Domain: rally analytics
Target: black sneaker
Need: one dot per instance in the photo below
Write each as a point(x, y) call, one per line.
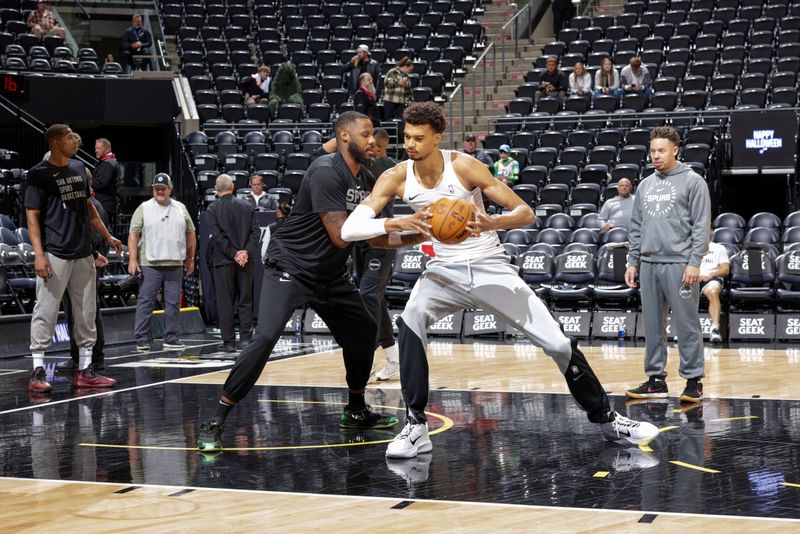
point(68, 366)
point(365, 418)
point(143, 346)
point(210, 438)
point(654, 388)
point(693, 391)
point(228, 347)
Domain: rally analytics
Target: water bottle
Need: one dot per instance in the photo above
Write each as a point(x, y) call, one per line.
point(298, 328)
point(621, 336)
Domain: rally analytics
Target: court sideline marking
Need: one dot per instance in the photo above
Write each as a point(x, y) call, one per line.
point(133, 388)
point(394, 499)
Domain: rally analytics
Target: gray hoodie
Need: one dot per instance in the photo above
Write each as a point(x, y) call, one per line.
point(671, 218)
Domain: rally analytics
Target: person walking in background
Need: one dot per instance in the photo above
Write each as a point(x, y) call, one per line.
point(105, 181)
point(397, 89)
point(365, 99)
point(358, 65)
point(233, 247)
point(668, 238)
point(161, 242)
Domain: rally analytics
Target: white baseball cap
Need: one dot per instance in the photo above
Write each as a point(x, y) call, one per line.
point(363, 47)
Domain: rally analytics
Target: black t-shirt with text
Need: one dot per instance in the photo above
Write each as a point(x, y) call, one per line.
point(301, 245)
point(60, 193)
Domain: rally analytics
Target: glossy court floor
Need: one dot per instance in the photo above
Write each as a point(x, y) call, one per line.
point(512, 451)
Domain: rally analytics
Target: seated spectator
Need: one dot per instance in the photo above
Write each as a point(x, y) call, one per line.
point(256, 85)
point(42, 21)
point(397, 89)
point(109, 59)
point(714, 267)
point(358, 65)
point(553, 82)
point(635, 78)
point(471, 149)
point(365, 100)
point(616, 212)
point(136, 43)
point(606, 79)
point(580, 81)
point(259, 199)
point(506, 169)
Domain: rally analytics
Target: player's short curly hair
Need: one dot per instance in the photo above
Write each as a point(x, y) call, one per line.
point(422, 113)
point(666, 132)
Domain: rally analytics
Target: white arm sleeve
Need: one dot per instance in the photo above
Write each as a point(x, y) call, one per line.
point(362, 225)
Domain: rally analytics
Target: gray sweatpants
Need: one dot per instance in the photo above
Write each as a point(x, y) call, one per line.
point(78, 277)
point(660, 288)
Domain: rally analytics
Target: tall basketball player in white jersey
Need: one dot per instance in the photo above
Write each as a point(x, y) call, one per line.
point(475, 273)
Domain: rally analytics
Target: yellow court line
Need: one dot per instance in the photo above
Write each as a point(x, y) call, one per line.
point(673, 427)
point(190, 308)
point(645, 447)
point(447, 424)
point(734, 418)
point(601, 474)
point(791, 485)
point(692, 466)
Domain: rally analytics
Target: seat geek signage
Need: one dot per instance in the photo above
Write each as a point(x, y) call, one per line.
point(788, 326)
point(449, 325)
point(751, 326)
point(290, 324)
point(607, 324)
point(577, 323)
point(314, 324)
point(479, 322)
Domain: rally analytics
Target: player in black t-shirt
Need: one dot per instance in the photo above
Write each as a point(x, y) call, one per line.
point(305, 265)
point(59, 213)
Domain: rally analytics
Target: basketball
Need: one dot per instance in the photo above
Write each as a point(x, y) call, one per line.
point(449, 220)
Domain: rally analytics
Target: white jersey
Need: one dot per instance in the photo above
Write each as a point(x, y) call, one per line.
point(417, 196)
point(716, 256)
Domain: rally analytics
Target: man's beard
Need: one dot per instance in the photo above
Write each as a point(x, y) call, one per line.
point(356, 153)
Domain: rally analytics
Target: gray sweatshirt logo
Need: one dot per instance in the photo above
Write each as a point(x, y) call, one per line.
point(659, 200)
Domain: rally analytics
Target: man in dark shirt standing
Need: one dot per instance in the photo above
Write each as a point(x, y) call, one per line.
point(358, 65)
point(106, 180)
point(59, 214)
point(305, 264)
point(553, 82)
point(233, 246)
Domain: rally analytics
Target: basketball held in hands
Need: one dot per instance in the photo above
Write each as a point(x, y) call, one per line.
point(449, 219)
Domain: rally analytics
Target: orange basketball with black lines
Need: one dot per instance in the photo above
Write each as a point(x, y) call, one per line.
point(449, 219)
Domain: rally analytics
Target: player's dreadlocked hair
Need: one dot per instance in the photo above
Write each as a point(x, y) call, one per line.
point(422, 113)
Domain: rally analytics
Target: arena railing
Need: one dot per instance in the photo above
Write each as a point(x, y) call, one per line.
point(459, 89)
point(480, 63)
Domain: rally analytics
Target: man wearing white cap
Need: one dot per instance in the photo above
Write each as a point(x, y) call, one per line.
point(161, 242)
point(358, 65)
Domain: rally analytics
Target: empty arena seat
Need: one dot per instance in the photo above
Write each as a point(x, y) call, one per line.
point(536, 269)
point(788, 281)
point(752, 278)
point(573, 279)
point(729, 220)
point(764, 219)
point(610, 289)
point(408, 266)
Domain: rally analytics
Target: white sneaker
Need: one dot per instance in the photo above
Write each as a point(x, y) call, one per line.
point(623, 459)
point(411, 441)
point(622, 429)
point(715, 337)
point(412, 470)
point(390, 370)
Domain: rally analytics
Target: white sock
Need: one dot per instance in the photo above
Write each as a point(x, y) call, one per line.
point(38, 418)
point(85, 357)
point(38, 359)
point(392, 354)
point(714, 326)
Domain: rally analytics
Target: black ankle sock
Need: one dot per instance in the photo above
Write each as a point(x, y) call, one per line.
point(356, 401)
point(223, 409)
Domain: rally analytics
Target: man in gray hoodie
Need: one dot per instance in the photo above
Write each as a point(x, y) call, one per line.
point(668, 239)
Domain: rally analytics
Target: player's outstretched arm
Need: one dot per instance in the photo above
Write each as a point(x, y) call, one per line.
point(473, 174)
point(362, 225)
